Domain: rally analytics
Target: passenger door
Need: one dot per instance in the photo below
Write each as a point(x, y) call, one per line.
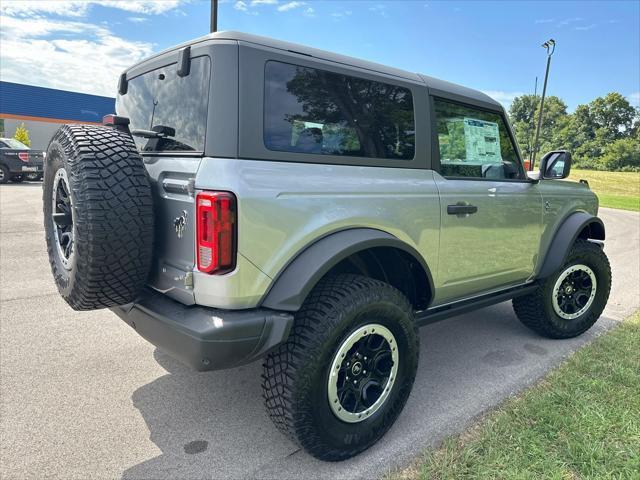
point(491, 213)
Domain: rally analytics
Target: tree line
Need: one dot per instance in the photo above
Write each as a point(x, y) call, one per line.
point(601, 135)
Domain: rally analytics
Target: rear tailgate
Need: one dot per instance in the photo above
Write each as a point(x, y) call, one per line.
point(21, 160)
point(174, 254)
point(168, 117)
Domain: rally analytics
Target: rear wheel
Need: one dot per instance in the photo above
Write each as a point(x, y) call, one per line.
point(571, 301)
point(4, 174)
point(344, 375)
point(98, 216)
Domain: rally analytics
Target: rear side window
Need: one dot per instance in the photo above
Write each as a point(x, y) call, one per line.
point(475, 143)
point(315, 111)
point(168, 113)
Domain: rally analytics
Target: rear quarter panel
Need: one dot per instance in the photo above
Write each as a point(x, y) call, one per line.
point(283, 207)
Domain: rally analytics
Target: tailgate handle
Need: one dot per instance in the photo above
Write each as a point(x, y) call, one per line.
point(174, 185)
point(461, 209)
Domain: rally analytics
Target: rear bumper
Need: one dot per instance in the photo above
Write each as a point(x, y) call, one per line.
point(205, 338)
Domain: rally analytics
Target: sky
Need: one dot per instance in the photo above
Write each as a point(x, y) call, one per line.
point(84, 45)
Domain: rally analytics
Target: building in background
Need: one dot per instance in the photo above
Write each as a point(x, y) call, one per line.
point(43, 110)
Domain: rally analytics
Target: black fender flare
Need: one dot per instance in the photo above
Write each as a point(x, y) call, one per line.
point(297, 279)
point(566, 236)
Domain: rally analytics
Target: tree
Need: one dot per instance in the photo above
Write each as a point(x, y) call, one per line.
point(622, 154)
point(524, 121)
point(613, 114)
point(22, 135)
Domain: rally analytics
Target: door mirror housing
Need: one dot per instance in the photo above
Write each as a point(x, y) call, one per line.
point(555, 165)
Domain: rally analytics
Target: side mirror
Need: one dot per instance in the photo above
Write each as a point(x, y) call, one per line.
point(555, 164)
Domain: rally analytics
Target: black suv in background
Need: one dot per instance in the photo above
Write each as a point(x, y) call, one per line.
point(18, 162)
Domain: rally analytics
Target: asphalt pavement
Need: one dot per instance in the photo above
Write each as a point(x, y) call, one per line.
point(83, 396)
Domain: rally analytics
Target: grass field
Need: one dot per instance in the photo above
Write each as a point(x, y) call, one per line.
point(581, 422)
point(614, 189)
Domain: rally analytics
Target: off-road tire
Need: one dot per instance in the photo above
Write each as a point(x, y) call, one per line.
point(113, 217)
point(296, 374)
point(6, 175)
point(536, 310)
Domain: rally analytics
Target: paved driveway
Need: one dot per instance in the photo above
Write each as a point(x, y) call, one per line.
point(84, 397)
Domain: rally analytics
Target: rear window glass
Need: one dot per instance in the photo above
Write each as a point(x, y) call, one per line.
point(315, 111)
point(168, 112)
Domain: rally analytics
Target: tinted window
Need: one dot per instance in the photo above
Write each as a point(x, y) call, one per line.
point(474, 143)
point(315, 111)
point(173, 107)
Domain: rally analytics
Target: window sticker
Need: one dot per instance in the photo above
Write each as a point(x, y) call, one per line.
point(482, 142)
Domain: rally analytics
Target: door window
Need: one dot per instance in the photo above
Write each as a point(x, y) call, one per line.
point(475, 143)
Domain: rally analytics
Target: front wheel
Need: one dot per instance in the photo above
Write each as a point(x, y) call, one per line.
point(569, 302)
point(345, 373)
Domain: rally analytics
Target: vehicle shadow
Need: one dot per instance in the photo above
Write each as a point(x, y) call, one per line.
point(202, 421)
point(213, 425)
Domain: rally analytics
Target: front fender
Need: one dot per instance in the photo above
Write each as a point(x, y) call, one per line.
point(296, 281)
point(568, 232)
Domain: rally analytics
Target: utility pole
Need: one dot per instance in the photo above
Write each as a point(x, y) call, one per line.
point(533, 115)
point(214, 16)
point(550, 45)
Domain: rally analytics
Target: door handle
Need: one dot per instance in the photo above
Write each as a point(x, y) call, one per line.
point(461, 209)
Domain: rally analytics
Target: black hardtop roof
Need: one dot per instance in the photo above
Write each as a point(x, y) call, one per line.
point(432, 83)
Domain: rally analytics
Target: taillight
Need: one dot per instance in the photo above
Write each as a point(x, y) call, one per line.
point(216, 231)
point(24, 156)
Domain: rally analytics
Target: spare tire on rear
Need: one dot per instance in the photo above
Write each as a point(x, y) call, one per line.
point(98, 216)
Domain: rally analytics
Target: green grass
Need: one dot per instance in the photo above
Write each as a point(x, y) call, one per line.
point(614, 189)
point(581, 422)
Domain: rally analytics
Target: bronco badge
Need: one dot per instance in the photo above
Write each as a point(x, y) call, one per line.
point(180, 223)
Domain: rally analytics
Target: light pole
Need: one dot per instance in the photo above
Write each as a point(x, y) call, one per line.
point(550, 45)
point(213, 27)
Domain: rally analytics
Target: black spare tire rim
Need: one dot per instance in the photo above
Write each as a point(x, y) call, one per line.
point(574, 291)
point(62, 218)
point(362, 373)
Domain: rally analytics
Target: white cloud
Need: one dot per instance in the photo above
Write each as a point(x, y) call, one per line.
point(505, 98)
point(341, 15)
point(634, 99)
point(290, 6)
point(79, 8)
point(309, 12)
point(568, 21)
point(545, 20)
point(240, 5)
point(137, 19)
point(80, 57)
point(380, 9)
point(585, 27)
point(264, 2)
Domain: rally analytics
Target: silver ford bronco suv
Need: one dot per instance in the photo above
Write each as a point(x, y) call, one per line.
point(255, 199)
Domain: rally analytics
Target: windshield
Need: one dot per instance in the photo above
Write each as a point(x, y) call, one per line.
point(174, 107)
point(15, 144)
